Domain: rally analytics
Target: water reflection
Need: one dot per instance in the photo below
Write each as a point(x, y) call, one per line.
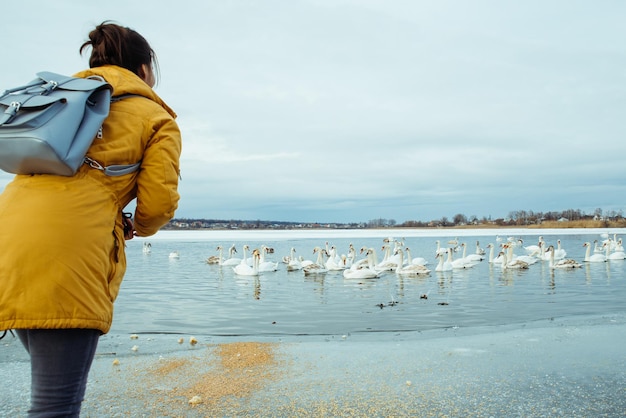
point(257, 288)
point(317, 280)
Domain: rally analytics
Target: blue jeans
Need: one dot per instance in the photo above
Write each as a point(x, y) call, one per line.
point(60, 360)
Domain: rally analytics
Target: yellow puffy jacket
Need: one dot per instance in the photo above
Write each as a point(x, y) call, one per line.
point(62, 256)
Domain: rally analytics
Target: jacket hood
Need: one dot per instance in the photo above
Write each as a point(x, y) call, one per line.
point(125, 82)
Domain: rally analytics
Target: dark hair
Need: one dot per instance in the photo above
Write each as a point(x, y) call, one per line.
point(112, 44)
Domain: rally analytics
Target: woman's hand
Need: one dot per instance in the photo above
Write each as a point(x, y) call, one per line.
point(129, 227)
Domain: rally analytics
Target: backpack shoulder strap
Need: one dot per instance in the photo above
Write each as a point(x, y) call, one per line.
point(115, 169)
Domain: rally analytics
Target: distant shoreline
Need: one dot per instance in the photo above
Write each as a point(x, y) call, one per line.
point(582, 224)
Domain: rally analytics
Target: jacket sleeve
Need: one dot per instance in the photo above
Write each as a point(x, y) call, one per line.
point(157, 182)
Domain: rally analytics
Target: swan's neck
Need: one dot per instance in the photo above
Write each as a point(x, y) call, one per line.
point(255, 263)
point(399, 265)
point(320, 257)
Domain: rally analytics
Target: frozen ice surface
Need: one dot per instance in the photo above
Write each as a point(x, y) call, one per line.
point(560, 368)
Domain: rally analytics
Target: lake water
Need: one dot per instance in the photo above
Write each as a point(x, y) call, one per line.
point(484, 343)
point(189, 296)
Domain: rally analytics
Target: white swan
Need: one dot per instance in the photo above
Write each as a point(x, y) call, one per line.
point(216, 259)
point(174, 255)
point(559, 253)
point(618, 252)
point(444, 265)
point(351, 257)
point(293, 264)
point(409, 269)
point(243, 269)
point(460, 263)
point(317, 267)
point(617, 255)
point(389, 263)
point(474, 257)
point(419, 261)
point(510, 256)
point(244, 258)
point(490, 247)
point(333, 263)
point(147, 247)
point(533, 249)
point(597, 248)
point(491, 259)
point(479, 254)
point(593, 258)
point(566, 263)
point(266, 265)
point(513, 264)
point(231, 260)
point(364, 271)
point(609, 242)
point(370, 257)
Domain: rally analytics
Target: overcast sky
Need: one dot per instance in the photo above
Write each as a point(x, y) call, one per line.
point(346, 110)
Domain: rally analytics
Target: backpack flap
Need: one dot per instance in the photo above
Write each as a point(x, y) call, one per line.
point(25, 111)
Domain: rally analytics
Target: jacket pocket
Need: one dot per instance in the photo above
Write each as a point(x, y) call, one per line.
point(117, 260)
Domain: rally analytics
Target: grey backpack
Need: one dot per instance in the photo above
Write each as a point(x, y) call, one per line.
point(47, 125)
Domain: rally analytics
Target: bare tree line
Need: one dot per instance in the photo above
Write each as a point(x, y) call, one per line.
point(514, 218)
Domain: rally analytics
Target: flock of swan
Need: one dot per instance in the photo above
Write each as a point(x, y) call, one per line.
point(396, 257)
